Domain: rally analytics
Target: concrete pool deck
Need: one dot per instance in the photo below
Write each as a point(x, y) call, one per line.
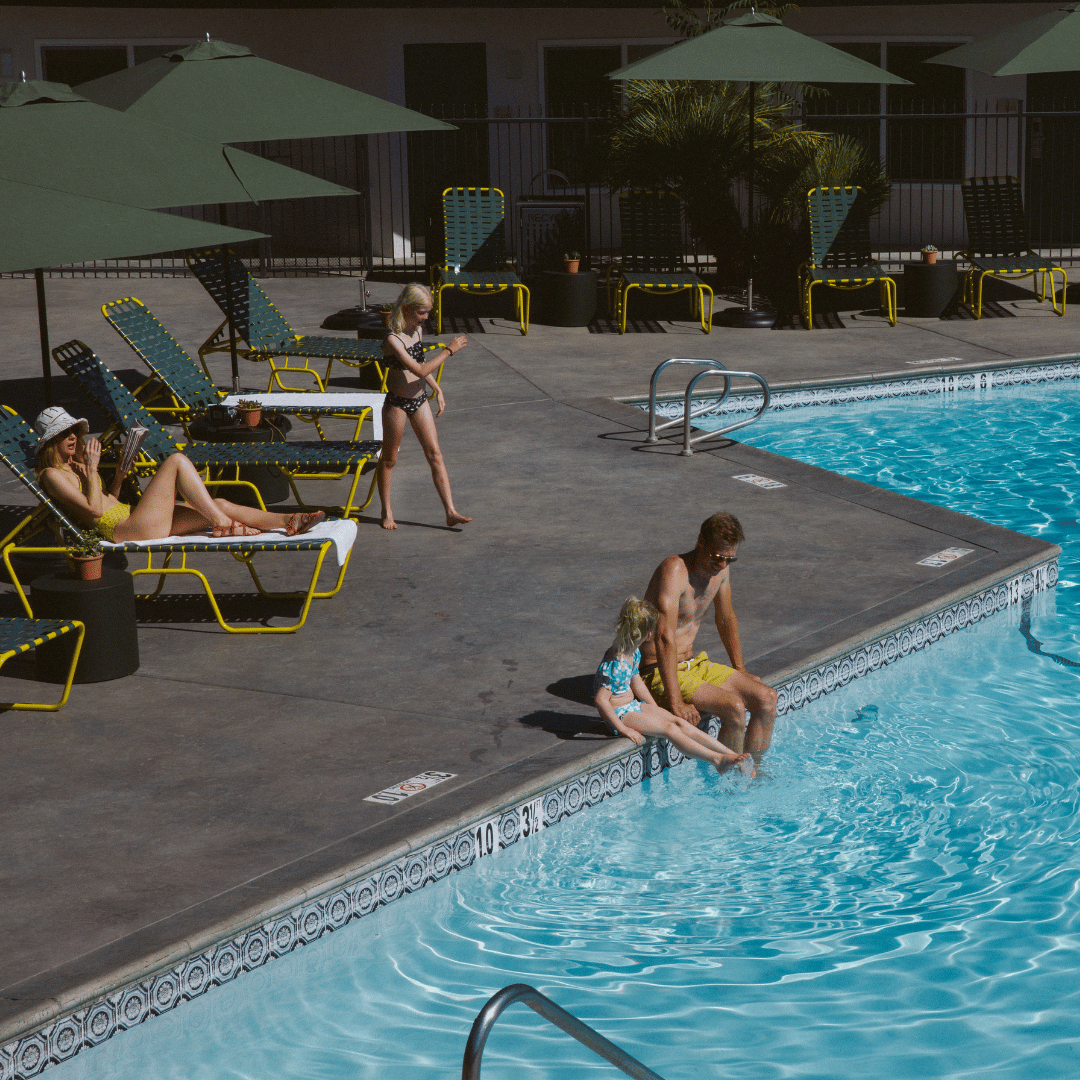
point(230, 771)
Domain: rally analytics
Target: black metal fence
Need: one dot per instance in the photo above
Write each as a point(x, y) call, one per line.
point(548, 168)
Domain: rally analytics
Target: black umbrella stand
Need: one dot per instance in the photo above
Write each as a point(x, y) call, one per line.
point(43, 330)
point(749, 318)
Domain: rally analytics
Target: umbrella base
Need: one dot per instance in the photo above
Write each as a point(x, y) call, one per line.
point(745, 318)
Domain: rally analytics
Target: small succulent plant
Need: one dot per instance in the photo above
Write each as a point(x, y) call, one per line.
point(86, 545)
point(929, 247)
point(246, 403)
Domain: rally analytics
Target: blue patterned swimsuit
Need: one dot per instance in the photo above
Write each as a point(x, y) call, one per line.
point(615, 674)
point(406, 404)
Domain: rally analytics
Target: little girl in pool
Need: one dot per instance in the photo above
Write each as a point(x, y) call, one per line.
point(623, 700)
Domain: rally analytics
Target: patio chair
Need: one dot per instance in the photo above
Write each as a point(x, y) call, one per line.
point(652, 255)
point(18, 445)
point(21, 635)
point(998, 240)
point(269, 337)
point(474, 256)
point(840, 255)
point(317, 460)
point(191, 390)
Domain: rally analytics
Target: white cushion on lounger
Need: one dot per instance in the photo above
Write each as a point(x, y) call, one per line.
point(318, 402)
point(342, 532)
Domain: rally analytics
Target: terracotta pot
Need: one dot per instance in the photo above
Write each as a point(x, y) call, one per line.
point(571, 265)
point(88, 567)
point(251, 417)
point(929, 257)
point(385, 316)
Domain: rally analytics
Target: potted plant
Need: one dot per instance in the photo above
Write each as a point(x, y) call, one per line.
point(929, 254)
point(572, 260)
point(250, 412)
point(87, 554)
point(385, 311)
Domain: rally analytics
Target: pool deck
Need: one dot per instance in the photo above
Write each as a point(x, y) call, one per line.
point(157, 811)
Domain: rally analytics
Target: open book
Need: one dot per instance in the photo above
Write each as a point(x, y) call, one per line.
point(132, 445)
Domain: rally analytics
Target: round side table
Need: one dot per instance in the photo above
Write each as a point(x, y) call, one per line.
point(269, 479)
point(106, 607)
point(929, 288)
point(567, 299)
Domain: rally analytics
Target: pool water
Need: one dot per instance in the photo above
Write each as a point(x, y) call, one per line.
point(896, 896)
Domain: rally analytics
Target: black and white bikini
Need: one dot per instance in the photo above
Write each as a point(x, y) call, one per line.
point(408, 405)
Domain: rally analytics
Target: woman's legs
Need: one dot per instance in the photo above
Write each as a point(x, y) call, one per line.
point(393, 428)
point(424, 425)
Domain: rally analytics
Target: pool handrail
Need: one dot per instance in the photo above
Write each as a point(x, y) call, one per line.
point(727, 376)
point(653, 426)
point(555, 1014)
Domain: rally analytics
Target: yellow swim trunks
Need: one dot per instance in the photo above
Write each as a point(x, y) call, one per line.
point(693, 674)
point(111, 518)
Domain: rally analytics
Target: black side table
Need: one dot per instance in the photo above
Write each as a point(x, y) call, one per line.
point(368, 323)
point(269, 479)
point(929, 288)
point(106, 607)
point(567, 299)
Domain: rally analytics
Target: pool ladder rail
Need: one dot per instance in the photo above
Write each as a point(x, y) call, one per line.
point(555, 1014)
point(713, 367)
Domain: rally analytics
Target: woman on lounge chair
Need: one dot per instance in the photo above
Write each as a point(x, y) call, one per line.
point(67, 468)
point(410, 376)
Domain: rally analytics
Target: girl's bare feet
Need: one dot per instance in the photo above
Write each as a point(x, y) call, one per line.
point(387, 521)
point(454, 518)
point(743, 761)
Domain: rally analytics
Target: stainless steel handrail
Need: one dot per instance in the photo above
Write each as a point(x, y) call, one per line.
point(653, 426)
point(727, 376)
point(485, 1020)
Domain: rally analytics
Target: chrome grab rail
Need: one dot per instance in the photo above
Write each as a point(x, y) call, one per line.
point(727, 376)
point(653, 426)
point(485, 1020)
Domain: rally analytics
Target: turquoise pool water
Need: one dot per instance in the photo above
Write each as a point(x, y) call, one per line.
point(897, 897)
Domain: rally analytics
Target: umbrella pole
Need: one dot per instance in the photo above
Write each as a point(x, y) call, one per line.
point(43, 330)
point(229, 315)
point(746, 317)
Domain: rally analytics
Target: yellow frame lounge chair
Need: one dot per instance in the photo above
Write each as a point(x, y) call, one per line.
point(21, 635)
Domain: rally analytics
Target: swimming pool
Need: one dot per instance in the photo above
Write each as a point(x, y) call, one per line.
point(896, 896)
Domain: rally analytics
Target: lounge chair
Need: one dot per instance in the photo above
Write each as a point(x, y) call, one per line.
point(998, 240)
point(316, 460)
point(18, 445)
point(474, 257)
point(21, 635)
point(269, 337)
point(652, 255)
point(840, 250)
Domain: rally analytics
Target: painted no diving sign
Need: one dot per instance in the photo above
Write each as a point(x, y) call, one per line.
point(408, 788)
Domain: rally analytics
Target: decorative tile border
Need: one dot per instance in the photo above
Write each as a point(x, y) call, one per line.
point(227, 960)
point(918, 386)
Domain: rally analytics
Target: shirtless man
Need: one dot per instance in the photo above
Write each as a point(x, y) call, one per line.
point(681, 590)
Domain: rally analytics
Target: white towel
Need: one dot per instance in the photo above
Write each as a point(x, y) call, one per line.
point(342, 532)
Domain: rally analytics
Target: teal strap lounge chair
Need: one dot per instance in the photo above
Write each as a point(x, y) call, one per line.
point(269, 336)
point(316, 460)
point(18, 445)
point(474, 254)
point(998, 241)
point(840, 255)
point(21, 635)
point(653, 255)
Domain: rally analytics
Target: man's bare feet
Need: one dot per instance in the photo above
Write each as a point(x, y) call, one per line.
point(454, 518)
point(387, 521)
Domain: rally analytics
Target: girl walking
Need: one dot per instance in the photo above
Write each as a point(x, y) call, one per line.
point(410, 376)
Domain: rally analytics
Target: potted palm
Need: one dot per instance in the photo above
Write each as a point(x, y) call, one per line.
point(87, 555)
point(250, 412)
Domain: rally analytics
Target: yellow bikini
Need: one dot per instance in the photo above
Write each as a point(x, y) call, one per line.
point(111, 518)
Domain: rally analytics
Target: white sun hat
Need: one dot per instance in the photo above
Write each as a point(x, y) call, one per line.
point(54, 420)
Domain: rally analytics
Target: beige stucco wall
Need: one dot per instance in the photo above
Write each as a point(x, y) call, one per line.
point(363, 48)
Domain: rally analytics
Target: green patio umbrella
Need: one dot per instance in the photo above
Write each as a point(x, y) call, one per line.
point(45, 227)
point(52, 136)
point(1049, 42)
point(754, 48)
point(227, 93)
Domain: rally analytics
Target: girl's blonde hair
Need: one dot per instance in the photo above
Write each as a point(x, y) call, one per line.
point(637, 619)
point(412, 296)
point(48, 455)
